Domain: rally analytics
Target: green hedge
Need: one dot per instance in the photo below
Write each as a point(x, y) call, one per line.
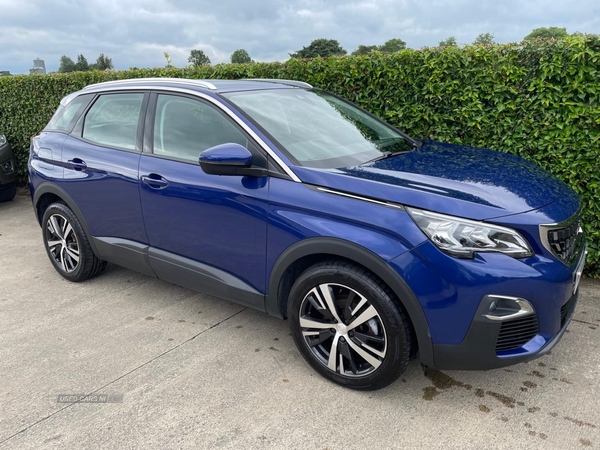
point(539, 100)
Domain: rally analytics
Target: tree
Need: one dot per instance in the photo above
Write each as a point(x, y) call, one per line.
point(484, 39)
point(81, 65)
point(320, 47)
point(240, 56)
point(546, 33)
point(168, 58)
point(450, 42)
point(66, 64)
point(392, 46)
point(198, 58)
point(102, 63)
point(364, 50)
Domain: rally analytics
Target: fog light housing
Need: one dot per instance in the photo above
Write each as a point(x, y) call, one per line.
point(506, 308)
point(8, 166)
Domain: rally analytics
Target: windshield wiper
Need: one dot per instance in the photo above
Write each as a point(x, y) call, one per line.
point(387, 154)
point(384, 155)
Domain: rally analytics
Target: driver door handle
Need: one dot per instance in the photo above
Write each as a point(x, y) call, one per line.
point(155, 181)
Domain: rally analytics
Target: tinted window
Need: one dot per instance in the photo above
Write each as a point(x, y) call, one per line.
point(318, 129)
point(184, 127)
point(112, 120)
point(65, 116)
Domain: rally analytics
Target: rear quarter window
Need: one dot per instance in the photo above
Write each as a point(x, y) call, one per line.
point(66, 116)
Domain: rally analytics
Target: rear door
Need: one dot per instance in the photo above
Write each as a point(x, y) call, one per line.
point(101, 159)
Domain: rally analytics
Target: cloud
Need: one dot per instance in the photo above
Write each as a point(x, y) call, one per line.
point(138, 32)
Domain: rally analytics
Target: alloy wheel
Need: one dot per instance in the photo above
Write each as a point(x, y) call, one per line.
point(62, 243)
point(343, 330)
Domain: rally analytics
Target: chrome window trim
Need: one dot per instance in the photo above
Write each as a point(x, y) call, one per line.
point(223, 107)
point(358, 197)
point(200, 83)
point(275, 80)
point(546, 227)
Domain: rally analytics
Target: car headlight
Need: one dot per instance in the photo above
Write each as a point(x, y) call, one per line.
point(2, 140)
point(462, 237)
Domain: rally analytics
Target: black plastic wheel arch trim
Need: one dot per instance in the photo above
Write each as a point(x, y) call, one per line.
point(46, 187)
point(345, 249)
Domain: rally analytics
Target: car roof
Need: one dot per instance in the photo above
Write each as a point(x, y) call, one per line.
point(217, 86)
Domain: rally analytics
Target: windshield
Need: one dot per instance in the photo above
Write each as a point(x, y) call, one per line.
point(317, 129)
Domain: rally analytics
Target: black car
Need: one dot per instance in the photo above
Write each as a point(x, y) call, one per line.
point(8, 172)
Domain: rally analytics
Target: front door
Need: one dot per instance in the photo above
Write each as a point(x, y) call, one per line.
point(206, 232)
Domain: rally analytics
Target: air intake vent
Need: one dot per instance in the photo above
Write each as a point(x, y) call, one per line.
point(517, 332)
point(566, 308)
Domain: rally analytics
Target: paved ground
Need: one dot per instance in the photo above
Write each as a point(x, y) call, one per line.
point(197, 372)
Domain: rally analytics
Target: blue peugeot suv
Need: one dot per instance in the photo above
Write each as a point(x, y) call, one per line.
point(377, 247)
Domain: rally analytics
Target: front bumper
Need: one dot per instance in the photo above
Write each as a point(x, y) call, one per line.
point(478, 350)
point(455, 297)
point(491, 343)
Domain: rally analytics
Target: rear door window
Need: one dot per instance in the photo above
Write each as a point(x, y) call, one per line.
point(112, 121)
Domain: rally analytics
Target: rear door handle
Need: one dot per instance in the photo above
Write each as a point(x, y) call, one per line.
point(155, 181)
point(77, 164)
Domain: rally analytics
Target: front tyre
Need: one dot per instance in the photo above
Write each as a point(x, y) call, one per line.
point(67, 245)
point(348, 327)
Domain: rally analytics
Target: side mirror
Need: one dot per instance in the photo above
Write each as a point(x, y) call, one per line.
point(229, 159)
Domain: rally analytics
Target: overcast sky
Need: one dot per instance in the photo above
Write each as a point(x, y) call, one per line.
point(137, 32)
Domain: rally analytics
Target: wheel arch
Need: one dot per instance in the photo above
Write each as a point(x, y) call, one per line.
point(48, 193)
point(307, 252)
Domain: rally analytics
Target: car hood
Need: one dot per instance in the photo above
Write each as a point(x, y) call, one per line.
point(452, 179)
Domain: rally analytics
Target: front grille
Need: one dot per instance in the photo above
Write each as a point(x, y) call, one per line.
point(517, 332)
point(566, 309)
point(563, 241)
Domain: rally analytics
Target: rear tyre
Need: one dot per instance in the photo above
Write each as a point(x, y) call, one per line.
point(67, 245)
point(8, 193)
point(347, 325)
